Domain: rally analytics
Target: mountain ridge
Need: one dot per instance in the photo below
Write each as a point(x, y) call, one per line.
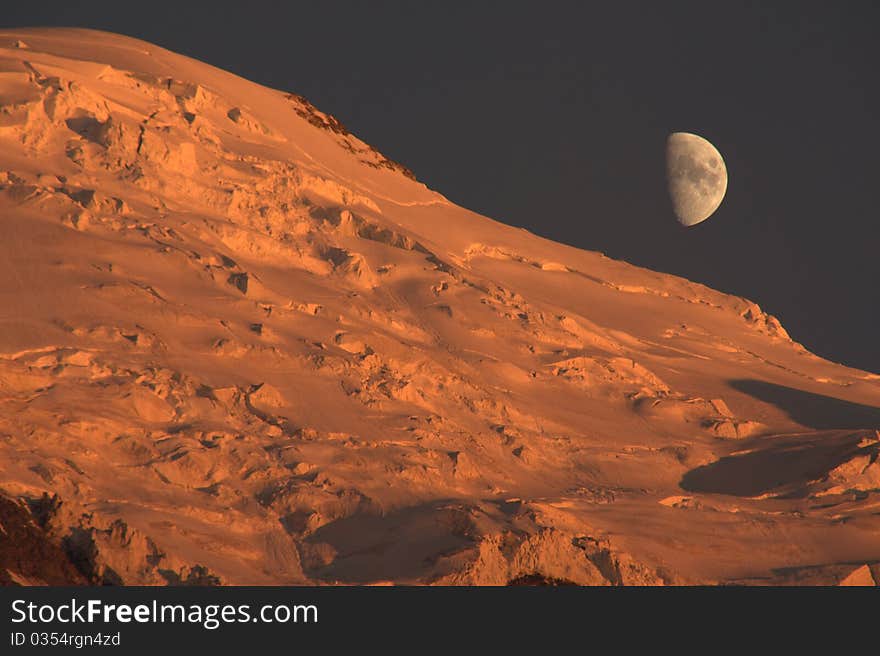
point(242, 346)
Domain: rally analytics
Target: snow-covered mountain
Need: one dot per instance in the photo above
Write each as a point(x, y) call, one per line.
point(239, 345)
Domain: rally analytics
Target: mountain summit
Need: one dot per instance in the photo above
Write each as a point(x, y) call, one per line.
point(239, 345)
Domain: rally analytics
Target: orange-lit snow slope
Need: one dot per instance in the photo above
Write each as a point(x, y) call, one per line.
point(238, 345)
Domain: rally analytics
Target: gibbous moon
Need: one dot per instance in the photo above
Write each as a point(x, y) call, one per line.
point(696, 176)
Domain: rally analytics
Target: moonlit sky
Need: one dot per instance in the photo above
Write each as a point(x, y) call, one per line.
point(553, 116)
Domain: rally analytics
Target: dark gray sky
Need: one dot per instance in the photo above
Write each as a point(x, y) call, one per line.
point(553, 116)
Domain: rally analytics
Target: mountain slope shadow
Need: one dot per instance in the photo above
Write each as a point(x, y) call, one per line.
point(787, 465)
point(401, 545)
point(809, 409)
